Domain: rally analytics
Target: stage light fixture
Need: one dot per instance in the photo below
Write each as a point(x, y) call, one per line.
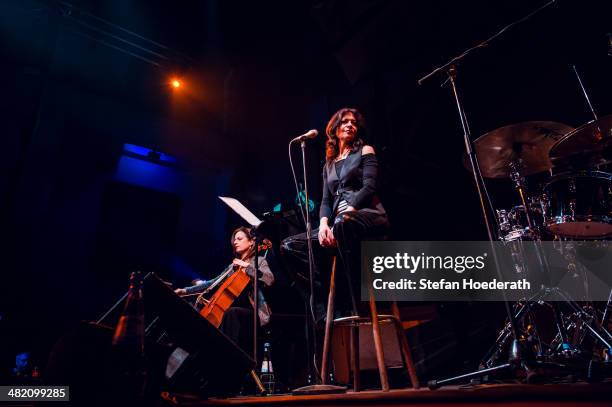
point(176, 83)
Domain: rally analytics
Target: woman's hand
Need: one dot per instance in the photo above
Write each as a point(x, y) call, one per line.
point(240, 263)
point(180, 291)
point(326, 236)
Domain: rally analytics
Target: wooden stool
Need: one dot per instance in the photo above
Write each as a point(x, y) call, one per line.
point(354, 322)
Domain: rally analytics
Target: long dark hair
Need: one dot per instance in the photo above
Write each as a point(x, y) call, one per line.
point(331, 146)
point(249, 234)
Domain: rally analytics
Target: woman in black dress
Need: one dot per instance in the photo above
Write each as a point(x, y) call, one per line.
point(351, 210)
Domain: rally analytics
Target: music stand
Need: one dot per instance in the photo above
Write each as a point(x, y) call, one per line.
point(255, 223)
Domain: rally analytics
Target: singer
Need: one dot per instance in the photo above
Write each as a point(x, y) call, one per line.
point(350, 208)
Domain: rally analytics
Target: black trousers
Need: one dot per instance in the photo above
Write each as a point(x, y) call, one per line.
point(349, 229)
point(237, 324)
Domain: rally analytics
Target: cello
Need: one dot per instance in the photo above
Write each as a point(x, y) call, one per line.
point(232, 285)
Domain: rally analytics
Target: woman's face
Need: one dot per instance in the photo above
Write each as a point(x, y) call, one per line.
point(347, 129)
point(241, 243)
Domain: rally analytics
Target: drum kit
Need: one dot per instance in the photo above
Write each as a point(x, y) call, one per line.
point(576, 200)
point(572, 205)
point(571, 209)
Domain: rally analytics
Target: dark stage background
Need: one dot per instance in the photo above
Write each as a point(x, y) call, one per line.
point(81, 80)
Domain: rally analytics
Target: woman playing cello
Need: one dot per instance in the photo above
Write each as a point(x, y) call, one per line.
point(237, 320)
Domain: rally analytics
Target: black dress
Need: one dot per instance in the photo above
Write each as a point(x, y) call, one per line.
point(353, 182)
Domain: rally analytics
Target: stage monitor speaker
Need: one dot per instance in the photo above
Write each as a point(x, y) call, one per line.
point(184, 352)
point(201, 357)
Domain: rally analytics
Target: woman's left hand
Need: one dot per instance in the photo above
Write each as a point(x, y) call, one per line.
point(350, 209)
point(240, 263)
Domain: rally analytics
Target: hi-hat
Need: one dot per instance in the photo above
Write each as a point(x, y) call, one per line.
point(527, 143)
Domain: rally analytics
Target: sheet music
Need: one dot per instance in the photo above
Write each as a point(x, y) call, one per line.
point(241, 210)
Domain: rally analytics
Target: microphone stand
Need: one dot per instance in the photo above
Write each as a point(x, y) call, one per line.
point(256, 296)
point(516, 358)
point(313, 375)
point(253, 373)
point(116, 305)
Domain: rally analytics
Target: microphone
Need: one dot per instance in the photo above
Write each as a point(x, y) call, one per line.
point(309, 134)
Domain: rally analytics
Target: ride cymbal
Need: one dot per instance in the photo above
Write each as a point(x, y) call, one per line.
point(528, 143)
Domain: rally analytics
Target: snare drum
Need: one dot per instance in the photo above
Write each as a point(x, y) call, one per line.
point(579, 205)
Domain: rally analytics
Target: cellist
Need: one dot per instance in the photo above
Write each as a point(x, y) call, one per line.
point(237, 321)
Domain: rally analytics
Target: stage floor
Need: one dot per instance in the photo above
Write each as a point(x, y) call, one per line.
point(572, 394)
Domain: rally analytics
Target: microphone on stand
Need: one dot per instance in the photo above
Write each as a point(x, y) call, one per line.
point(309, 134)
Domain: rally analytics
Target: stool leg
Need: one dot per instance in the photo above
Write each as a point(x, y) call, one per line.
point(405, 348)
point(329, 321)
point(355, 365)
point(380, 354)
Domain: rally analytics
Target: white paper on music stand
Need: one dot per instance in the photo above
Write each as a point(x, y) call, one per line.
point(241, 210)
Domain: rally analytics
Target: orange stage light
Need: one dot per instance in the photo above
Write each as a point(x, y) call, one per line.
point(176, 83)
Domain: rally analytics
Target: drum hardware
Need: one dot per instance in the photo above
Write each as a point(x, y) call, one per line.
point(584, 92)
point(578, 323)
point(581, 199)
point(533, 316)
point(582, 317)
point(503, 220)
point(572, 207)
point(513, 224)
point(518, 358)
point(518, 224)
point(567, 345)
point(573, 326)
point(605, 320)
point(599, 333)
point(504, 337)
point(607, 311)
point(589, 145)
point(519, 185)
point(513, 152)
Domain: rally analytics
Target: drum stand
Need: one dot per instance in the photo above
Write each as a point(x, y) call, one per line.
point(517, 357)
point(607, 310)
point(522, 358)
point(519, 184)
point(560, 345)
point(583, 319)
point(579, 318)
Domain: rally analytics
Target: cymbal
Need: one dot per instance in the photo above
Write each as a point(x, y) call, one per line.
point(527, 142)
point(588, 139)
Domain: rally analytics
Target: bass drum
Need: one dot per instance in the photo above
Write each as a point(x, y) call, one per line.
point(579, 205)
